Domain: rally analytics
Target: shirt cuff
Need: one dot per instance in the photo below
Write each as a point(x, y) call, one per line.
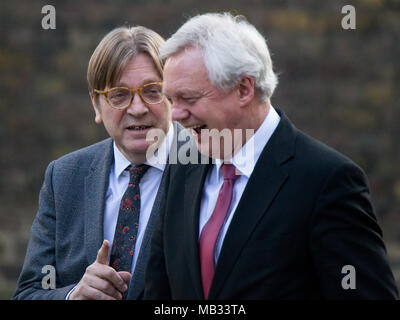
point(69, 292)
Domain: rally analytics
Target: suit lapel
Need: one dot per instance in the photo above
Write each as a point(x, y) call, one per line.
point(194, 181)
point(137, 281)
point(96, 183)
point(265, 182)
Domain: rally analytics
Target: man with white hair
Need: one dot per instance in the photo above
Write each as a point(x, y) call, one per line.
point(289, 218)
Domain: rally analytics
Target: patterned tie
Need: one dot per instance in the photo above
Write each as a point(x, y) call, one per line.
point(210, 232)
point(126, 230)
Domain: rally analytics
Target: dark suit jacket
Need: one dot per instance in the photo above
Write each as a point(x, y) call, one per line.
point(304, 215)
point(67, 231)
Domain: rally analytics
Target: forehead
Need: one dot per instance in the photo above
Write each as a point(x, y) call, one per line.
point(185, 71)
point(138, 71)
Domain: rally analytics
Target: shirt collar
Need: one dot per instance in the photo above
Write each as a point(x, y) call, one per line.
point(121, 162)
point(245, 159)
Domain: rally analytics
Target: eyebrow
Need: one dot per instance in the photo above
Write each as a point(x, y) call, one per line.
point(145, 81)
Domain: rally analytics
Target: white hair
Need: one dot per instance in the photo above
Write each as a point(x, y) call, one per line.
point(232, 48)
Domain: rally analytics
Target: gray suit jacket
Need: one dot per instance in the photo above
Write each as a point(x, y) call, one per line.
point(67, 231)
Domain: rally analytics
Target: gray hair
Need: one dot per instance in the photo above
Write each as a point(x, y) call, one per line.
point(231, 46)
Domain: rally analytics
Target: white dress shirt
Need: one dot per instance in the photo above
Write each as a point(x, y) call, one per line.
point(244, 161)
point(149, 183)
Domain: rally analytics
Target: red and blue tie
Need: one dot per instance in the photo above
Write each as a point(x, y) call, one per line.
point(126, 230)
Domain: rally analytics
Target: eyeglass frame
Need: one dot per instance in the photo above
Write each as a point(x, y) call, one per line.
point(132, 91)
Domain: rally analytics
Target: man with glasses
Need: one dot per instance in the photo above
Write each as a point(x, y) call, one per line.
point(98, 205)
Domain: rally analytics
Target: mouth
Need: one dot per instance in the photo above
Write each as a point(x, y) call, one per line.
point(197, 128)
point(138, 128)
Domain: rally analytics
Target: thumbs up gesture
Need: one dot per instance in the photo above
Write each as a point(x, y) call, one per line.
point(100, 281)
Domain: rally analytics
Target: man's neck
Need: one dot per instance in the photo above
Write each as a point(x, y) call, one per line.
point(258, 113)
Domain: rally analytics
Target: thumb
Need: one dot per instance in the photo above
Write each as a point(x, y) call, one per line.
point(102, 254)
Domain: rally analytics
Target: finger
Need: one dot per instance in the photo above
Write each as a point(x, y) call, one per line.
point(84, 291)
point(110, 274)
point(90, 293)
point(102, 254)
point(125, 275)
point(104, 286)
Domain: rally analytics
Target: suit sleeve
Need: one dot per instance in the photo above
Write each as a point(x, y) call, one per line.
point(156, 278)
point(41, 250)
point(346, 241)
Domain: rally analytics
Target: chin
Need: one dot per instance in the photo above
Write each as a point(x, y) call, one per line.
point(136, 149)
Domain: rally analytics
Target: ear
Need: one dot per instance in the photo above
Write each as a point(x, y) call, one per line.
point(96, 108)
point(245, 90)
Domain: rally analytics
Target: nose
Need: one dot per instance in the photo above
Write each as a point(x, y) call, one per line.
point(138, 107)
point(179, 114)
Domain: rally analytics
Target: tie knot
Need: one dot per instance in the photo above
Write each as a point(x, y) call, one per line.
point(228, 171)
point(137, 172)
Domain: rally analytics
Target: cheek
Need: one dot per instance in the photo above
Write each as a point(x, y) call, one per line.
point(112, 119)
point(163, 116)
point(217, 119)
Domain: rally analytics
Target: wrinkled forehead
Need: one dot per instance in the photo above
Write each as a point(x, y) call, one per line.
point(187, 57)
point(185, 69)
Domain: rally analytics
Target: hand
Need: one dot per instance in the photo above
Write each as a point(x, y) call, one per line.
point(100, 281)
